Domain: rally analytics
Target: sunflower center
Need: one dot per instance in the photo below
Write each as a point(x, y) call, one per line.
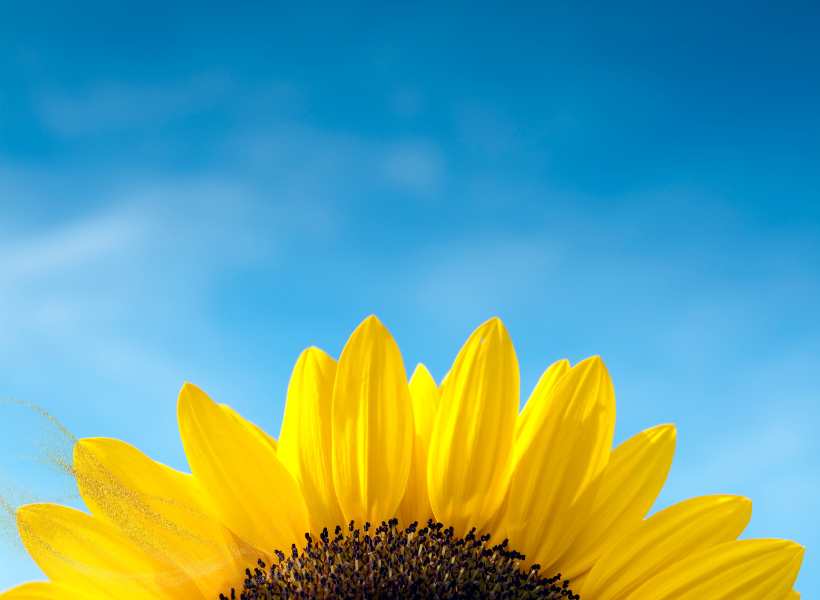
point(390, 562)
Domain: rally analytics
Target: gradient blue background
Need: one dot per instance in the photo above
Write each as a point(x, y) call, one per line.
point(197, 193)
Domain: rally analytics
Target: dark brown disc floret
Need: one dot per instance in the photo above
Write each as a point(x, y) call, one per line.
point(391, 562)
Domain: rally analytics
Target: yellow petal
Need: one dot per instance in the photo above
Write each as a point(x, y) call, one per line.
point(425, 397)
point(628, 487)
point(372, 422)
point(160, 510)
point(473, 431)
point(31, 591)
point(261, 433)
point(737, 570)
point(540, 395)
point(250, 490)
point(305, 443)
point(577, 582)
point(664, 539)
point(443, 382)
point(42, 590)
point(793, 595)
point(562, 447)
point(79, 551)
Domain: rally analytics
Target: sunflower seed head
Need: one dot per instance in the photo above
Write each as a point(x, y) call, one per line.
point(392, 562)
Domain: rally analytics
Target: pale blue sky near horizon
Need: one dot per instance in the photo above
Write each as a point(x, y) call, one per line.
point(198, 193)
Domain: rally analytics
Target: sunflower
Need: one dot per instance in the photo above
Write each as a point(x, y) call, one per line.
point(379, 488)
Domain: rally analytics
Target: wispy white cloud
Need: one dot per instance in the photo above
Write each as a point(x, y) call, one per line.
point(287, 152)
point(69, 246)
point(156, 247)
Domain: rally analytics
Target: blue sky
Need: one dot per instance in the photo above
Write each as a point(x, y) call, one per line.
point(197, 193)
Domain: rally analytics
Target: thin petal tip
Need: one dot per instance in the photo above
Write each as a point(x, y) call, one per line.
point(744, 506)
point(191, 401)
point(493, 324)
point(421, 371)
point(25, 513)
point(189, 388)
point(371, 321)
point(83, 447)
point(735, 499)
point(796, 549)
point(371, 328)
point(315, 355)
point(664, 431)
point(491, 331)
point(593, 362)
point(191, 392)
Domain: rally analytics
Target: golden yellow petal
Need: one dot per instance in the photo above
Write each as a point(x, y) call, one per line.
point(425, 399)
point(443, 381)
point(162, 511)
point(663, 539)
point(543, 389)
point(628, 487)
point(471, 443)
point(305, 442)
point(539, 399)
point(415, 505)
point(93, 557)
point(736, 570)
point(39, 590)
point(372, 423)
point(42, 590)
point(258, 431)
point(561, 448)
point(249, 489)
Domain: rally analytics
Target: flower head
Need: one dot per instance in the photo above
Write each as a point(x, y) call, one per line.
point(378, 487)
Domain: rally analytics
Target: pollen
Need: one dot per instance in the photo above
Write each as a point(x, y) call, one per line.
point(393, 562)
